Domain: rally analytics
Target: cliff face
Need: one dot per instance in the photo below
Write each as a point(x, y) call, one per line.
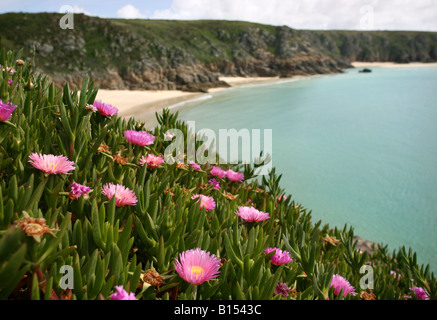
point(191, 55)
point(377, 46)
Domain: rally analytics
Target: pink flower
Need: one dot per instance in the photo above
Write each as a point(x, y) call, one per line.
point(168, 136)
point(218, 172)
point(6, 110)
point(205, 202)
point(197, 266)
point(8, 69)
point(282, 289)
point(105, 109)
point(78, 190)
point(339, 283)
point(394, 274)
point(234, 176)
point(151, 160)
point(51, 164)
point(279, 257)
point(195, 166)
point(215, 183)
point(123, 196)
point(122, 294)
point(250, 214)
point(141, 138)
point(280, 198)
point(420, 293)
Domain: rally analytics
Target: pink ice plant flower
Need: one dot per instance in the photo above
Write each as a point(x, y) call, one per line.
point(394, 274)
point(339, 283)
point(6, 110)
point(168, 136)
point(197, 266)
point(205, 202)
point(234, 176)
point(215, 183)
point(8, 69)
point(121, 294)
point(420, 293)
point(279, 257)
point(105, 109)
point(77, 190)
point(250, 214)
point(280, 198)
point(282, 289)
point(141, 138)
point(218, 172)
point(51, 164)
point(123, 196)
point(195, 166)
point(151, 161)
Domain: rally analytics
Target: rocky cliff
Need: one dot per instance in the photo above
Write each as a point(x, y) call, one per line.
point(192, 55)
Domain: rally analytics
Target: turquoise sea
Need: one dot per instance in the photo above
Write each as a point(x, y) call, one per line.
point(355, 148)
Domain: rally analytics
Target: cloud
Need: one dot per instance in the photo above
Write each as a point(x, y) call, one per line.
point(130, 12)
point(312, 14)
point(77, 8)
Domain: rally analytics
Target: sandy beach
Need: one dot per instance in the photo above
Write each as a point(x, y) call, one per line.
point(142, 104)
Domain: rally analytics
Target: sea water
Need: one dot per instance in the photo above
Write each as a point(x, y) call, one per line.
point(355, 148)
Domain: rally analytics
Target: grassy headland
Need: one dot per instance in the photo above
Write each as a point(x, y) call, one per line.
point(191, 55)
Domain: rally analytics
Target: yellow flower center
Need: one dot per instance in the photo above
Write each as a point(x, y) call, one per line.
point(52, 166)
point(197, 270)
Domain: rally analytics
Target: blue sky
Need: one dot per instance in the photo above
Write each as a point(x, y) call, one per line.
point(106, 9)
point(300, 14)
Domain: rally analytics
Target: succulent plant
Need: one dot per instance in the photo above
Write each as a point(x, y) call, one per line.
point(111, 227)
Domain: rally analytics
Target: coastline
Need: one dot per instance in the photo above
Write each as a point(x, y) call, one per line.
point(143, 104)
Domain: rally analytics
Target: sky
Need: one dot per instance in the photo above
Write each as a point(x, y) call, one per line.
point(418, 15)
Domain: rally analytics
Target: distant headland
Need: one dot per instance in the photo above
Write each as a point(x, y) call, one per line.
point(193, 55)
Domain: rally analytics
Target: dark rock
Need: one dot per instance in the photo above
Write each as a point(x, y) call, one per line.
point(365, 245)
point(365, 70)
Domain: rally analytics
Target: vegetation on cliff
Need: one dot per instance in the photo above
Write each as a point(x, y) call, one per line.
point(88, 210)
point(191, 55)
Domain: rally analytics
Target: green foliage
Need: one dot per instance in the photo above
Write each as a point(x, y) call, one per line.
point(108, 246)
